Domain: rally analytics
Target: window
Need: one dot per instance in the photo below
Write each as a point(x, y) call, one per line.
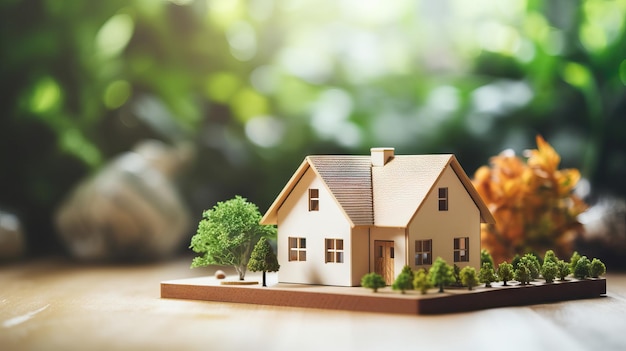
point(297, 249)
point(423, 252)
point(461, 249)
point(334, 250)
point(314, 200)
point(443, 199)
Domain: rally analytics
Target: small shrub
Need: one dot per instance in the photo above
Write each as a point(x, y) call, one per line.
point(457, 276)
point(597, 268)
point(505, 272)
point(522, 273)
point(421, 281)
point(441, 274)
point(549, 271)
point(407, 269)
point(516, 261)
point(468, 277)
point(573, 261)
point(532, 263)
point(583, 265)
point(485, 257)
point(373, 281)
point(563, 269)
point(487, 274)
point(550, 256)
point(403, 282)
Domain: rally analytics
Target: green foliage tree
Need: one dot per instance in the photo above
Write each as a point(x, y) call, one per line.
point(505, 272)
point(563, 269)
point(407, 269)
point(532, 263)
point(516, 261)
point(597, 268)
point(582, 269)
point(373, 281)
point(468, 277)
point(263, 258)
point(457, 275)
point(441, 274)
point(487, 275)
point(550, 256)
point(226, 234)
point(522, 273)
point(549, 270)
point(421, 281)
point(485, 257)
point(573, 261)
point(403, 282)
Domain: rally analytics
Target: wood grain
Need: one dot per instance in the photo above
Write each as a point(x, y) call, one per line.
point(55, 304)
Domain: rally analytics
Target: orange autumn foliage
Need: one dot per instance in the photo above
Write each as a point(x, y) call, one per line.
point(532, 201)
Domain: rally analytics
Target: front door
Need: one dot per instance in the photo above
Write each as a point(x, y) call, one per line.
point(383, 259)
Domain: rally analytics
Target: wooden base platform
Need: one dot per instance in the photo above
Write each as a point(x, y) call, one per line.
point(385, 300)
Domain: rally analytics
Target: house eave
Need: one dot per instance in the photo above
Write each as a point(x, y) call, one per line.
point(271, 216)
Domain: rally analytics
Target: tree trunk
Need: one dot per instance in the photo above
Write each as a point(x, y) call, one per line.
point(241, 270)
point(441, 288)
point(264, 279)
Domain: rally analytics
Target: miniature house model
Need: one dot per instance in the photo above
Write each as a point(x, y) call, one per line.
point(340, 217)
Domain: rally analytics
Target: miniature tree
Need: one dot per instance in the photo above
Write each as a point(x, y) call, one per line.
point(563, 269)
point(485, 257)
point(468, 277)
point(583, 265)
point(532, 263)
point(441, 274)
point(549, 271)
point(227, 233)
point(522, 273)
point(597, 268)
point(516, 261)
point(421, 281)
point(573, 260)
point(457, 275)
point(487, 275)
point(263, 258)
point(407, 269)
point(550, 256)
point(505, 272)
point(373, 281)
point(403, 282)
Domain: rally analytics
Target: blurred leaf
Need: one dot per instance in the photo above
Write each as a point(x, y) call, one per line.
point(114, 35)
point(46, 96)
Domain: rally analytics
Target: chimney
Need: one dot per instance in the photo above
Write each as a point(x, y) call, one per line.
point(381, 155)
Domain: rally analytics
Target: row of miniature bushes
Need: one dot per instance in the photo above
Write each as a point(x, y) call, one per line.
point(523, 269)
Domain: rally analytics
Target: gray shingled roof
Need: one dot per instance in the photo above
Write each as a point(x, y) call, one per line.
point(349, 179)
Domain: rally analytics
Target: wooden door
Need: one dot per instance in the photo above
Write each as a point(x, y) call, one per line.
point(383, 259)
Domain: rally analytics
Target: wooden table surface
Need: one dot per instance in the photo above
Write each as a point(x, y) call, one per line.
point(56, 304)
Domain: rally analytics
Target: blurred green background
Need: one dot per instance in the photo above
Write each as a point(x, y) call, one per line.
point(256, 85)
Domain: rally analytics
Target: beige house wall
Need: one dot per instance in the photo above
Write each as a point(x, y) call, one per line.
point(461, 220)
point(295, 220)
point(360, 257)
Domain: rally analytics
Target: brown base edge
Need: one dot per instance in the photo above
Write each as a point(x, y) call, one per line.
point(406, 304)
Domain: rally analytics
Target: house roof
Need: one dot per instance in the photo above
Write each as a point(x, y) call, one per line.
point(387, 196)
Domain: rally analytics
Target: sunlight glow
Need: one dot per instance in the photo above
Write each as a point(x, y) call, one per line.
point(114, 35)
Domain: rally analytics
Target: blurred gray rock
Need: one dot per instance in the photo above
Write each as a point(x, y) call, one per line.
point(604, 236)
point(12, 242)
point(130, 209)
